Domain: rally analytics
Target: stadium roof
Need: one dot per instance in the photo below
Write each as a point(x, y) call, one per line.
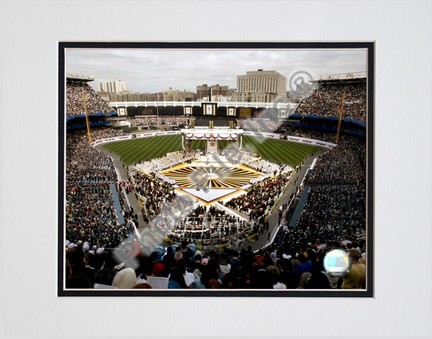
point(79, 77)
point(340, 76)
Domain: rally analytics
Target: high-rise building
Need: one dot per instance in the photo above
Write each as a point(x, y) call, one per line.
point(264, 86)
point(114, 86)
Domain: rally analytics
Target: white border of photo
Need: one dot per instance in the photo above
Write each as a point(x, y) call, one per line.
point(30, 32)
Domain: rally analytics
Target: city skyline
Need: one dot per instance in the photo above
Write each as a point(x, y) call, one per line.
point(156, 70)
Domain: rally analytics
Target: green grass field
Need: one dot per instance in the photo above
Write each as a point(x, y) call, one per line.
point(274, 150)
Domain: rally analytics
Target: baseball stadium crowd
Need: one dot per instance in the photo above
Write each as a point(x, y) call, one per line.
point(153, 191)
point(90, 213)
point(81, 97)
point(289, 129)
point(338, 192)
point(260, 198)
point(262, 165)
point(163, 120)
point(167, 161)
point(258, 125)
point(182, 266)
point(326, 101)
point(104, 133)
point(211, 227)
point(294, 260)
point(84, 162)
point(333, 217)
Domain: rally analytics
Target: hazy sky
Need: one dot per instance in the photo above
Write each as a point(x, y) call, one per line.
point(151, 70)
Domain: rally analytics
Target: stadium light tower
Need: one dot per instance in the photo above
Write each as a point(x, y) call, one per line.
point(157, 111)
point(340, 116)
point(84, 98)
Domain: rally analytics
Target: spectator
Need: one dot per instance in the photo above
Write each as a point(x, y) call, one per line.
point(125, 279)
point(356, 277)
point(275, 276)
point(176, 279)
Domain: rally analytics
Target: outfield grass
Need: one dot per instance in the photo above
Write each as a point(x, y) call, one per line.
point(274, 150)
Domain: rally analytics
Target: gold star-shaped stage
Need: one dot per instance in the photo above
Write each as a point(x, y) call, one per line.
point(209, 183)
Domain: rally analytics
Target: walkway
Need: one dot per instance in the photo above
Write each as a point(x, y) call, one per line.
point(264, 239)
point(131, 199)
point(117, 205)
point(299, 208)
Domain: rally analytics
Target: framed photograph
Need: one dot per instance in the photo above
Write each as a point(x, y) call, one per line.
point(216, 169)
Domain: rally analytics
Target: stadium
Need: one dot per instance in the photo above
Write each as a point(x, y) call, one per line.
point(204, 195)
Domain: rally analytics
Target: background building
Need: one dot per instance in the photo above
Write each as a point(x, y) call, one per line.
point(129, 96)
point(176, 95)
point(114, 86)
point(213, 93)
point(261, 86)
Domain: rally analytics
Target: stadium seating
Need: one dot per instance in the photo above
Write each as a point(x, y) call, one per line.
point(213, 249)
point(326, 100)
